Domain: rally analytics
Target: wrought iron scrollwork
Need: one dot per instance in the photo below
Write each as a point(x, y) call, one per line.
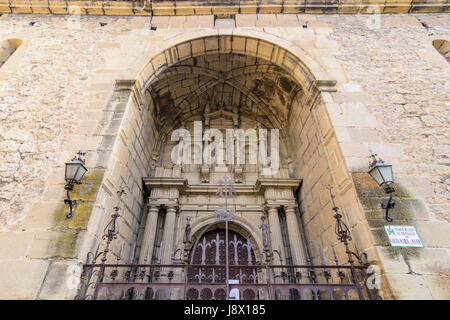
point(207, 279)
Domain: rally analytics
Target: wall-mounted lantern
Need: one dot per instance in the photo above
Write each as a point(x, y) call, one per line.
point(75, 170)
point(382, 174)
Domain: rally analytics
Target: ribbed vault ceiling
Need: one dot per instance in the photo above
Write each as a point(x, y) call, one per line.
point(255, 87)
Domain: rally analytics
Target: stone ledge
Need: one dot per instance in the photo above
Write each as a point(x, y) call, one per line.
point(205, 7)
point(182, 184)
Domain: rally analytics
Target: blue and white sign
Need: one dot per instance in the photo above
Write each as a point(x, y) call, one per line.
point(403, 236)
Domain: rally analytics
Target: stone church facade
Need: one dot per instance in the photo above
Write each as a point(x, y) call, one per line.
point(117, 78)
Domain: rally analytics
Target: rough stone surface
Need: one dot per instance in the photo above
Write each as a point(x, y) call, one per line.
point(71, 84)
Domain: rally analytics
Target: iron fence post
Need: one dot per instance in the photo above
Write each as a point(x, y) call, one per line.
point(352, 268)
point(269, 281)
point(343, 235)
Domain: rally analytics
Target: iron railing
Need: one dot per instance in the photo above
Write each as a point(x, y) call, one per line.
point(264, 281)
point(257, 280)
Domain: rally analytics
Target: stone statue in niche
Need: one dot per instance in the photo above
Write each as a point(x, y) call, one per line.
point(204, 174)
point(265, 233)
point(187, 232)
point(187, 240)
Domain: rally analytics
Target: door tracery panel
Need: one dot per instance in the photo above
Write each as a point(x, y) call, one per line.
point(211, 253)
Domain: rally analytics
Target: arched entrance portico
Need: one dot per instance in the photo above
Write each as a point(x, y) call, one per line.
point(232, 82)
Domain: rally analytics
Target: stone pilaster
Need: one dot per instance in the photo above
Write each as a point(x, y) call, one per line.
point(275, 232)
point(295, 238)
point(168, 236)
point(149, 235)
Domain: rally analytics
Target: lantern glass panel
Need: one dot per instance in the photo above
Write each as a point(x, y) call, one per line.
point(376, 175)
point(75, 171)
point(71, 169)
point(386, 172)
point(80, 173)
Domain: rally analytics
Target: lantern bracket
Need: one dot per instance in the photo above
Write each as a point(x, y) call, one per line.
point(384, 181)
point(71, 203)
point(390, 204)
point(70, 185)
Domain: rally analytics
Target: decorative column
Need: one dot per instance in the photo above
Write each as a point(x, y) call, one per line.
point(295, 238)
point(149, 235)
point(168, 236)
point(275, 233)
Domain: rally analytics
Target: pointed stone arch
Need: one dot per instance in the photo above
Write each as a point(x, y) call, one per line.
point(316, 153)
point(237, 227)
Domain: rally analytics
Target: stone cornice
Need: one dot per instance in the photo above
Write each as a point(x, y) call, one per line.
point(225, 7)
point(263, 183)
point(163, 182)
point(276, 204)
point(182, 185)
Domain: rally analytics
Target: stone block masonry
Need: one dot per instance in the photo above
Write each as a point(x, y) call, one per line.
point(71, 86)
point(205, 7)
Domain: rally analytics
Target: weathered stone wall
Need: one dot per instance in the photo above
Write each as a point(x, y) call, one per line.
point(58, 94)
point(207, 7)
point(403, 83)
point(319, 160)
point(129, 162)
point(311, 163)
